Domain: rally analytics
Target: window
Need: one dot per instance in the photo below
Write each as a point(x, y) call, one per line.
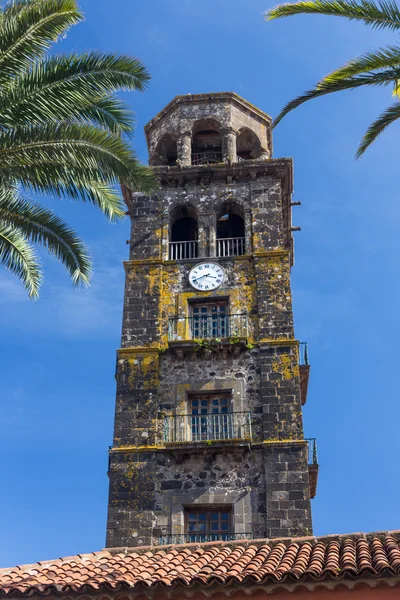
point(203, 524)
point(209, 319)
point(211, 417)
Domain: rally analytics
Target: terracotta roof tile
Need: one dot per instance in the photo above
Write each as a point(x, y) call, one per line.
point(256, 561)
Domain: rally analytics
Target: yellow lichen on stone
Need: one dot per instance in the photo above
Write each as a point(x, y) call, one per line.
point(283, 364)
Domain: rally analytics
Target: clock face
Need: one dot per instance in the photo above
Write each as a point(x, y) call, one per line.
point(206, 276)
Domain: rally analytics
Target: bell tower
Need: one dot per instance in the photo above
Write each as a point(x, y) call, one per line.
point(211, 380)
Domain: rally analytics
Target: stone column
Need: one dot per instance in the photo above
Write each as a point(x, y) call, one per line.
point(229, 144)
point(248, 231)
point(202, 238)
point(184, 148)
point(207, 243)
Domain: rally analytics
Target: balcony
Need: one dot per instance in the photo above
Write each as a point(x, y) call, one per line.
point(191, 429)
point(198, 538)
point(231, 246)
point(304, 369)
point(212, 327)
point(313, 466)
point(206, 158)
point(183, 250)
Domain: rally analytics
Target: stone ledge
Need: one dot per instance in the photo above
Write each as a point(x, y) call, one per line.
point(185, 347)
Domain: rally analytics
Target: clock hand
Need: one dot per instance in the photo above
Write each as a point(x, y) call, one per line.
point(201, 277)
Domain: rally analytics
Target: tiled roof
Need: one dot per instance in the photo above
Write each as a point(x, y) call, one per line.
point(252, 562)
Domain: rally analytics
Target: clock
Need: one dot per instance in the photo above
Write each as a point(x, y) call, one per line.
point(206, 276)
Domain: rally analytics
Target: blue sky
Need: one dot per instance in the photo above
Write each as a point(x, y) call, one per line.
point(58, 354)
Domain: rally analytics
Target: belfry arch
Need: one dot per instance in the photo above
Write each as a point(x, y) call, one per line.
point(183, 228)
point(230, 230)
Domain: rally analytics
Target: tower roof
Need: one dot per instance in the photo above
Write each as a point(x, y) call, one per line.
point(215, 97)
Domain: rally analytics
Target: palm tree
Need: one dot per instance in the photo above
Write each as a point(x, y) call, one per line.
point(376, 68)
point(63, 133)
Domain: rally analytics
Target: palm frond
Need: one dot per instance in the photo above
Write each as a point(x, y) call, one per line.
point(378, 15)
point(102, 196)
point(28, 28)
point(83, 145)
point(377, 127)
point(381, 78)
point(383, 58)
point(141, 178)
point(58, 88)
point(109, 113)
point(41, 226)
point(73, 184)
point(17, 255)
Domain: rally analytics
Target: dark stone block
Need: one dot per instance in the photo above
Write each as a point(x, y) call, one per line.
point(171, 485)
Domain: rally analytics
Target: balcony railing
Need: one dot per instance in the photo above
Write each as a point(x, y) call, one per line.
point(231, 246)
point(207, 327)
point(303, 352)
point(183, 250)
point(208, 427)
point(187, 538)
point(206, 158)
point(312, 451)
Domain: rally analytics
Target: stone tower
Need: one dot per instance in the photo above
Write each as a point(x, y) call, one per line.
point(208, 441)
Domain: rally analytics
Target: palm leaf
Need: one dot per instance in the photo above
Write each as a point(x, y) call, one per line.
point(378, 15)
point(328, 87)
point(27, 29)
point(377, 127)
point(58, 88)
point(43, 227)
point(18, 256)
point(109, 113)
point(74, 184)
point(85, 146)
point(383, 58)
point(62, 132)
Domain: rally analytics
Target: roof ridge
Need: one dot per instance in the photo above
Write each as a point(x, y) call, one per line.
point(256, 542)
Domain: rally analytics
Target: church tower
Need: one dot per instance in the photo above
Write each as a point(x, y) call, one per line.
point(211, 380)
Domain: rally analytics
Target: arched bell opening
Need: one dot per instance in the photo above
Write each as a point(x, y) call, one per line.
point(206, 142)
point(231, 233)
point(166, 152)
point(183, 233)
point(248, 145)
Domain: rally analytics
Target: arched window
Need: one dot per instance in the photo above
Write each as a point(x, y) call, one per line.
point(230, 230)
point(206, 142)
point(183, 233)
point(166, 152)
point(248, 145)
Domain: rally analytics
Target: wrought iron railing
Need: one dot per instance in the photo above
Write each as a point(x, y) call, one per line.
point(215, 327)
point(183, 250)
point(207, 428)
point(187, 538)
point(231, 246)
point(312, 451)
point(303, 353)
point(206, 158)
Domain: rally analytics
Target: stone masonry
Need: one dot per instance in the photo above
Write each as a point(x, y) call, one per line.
point(262, 475)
